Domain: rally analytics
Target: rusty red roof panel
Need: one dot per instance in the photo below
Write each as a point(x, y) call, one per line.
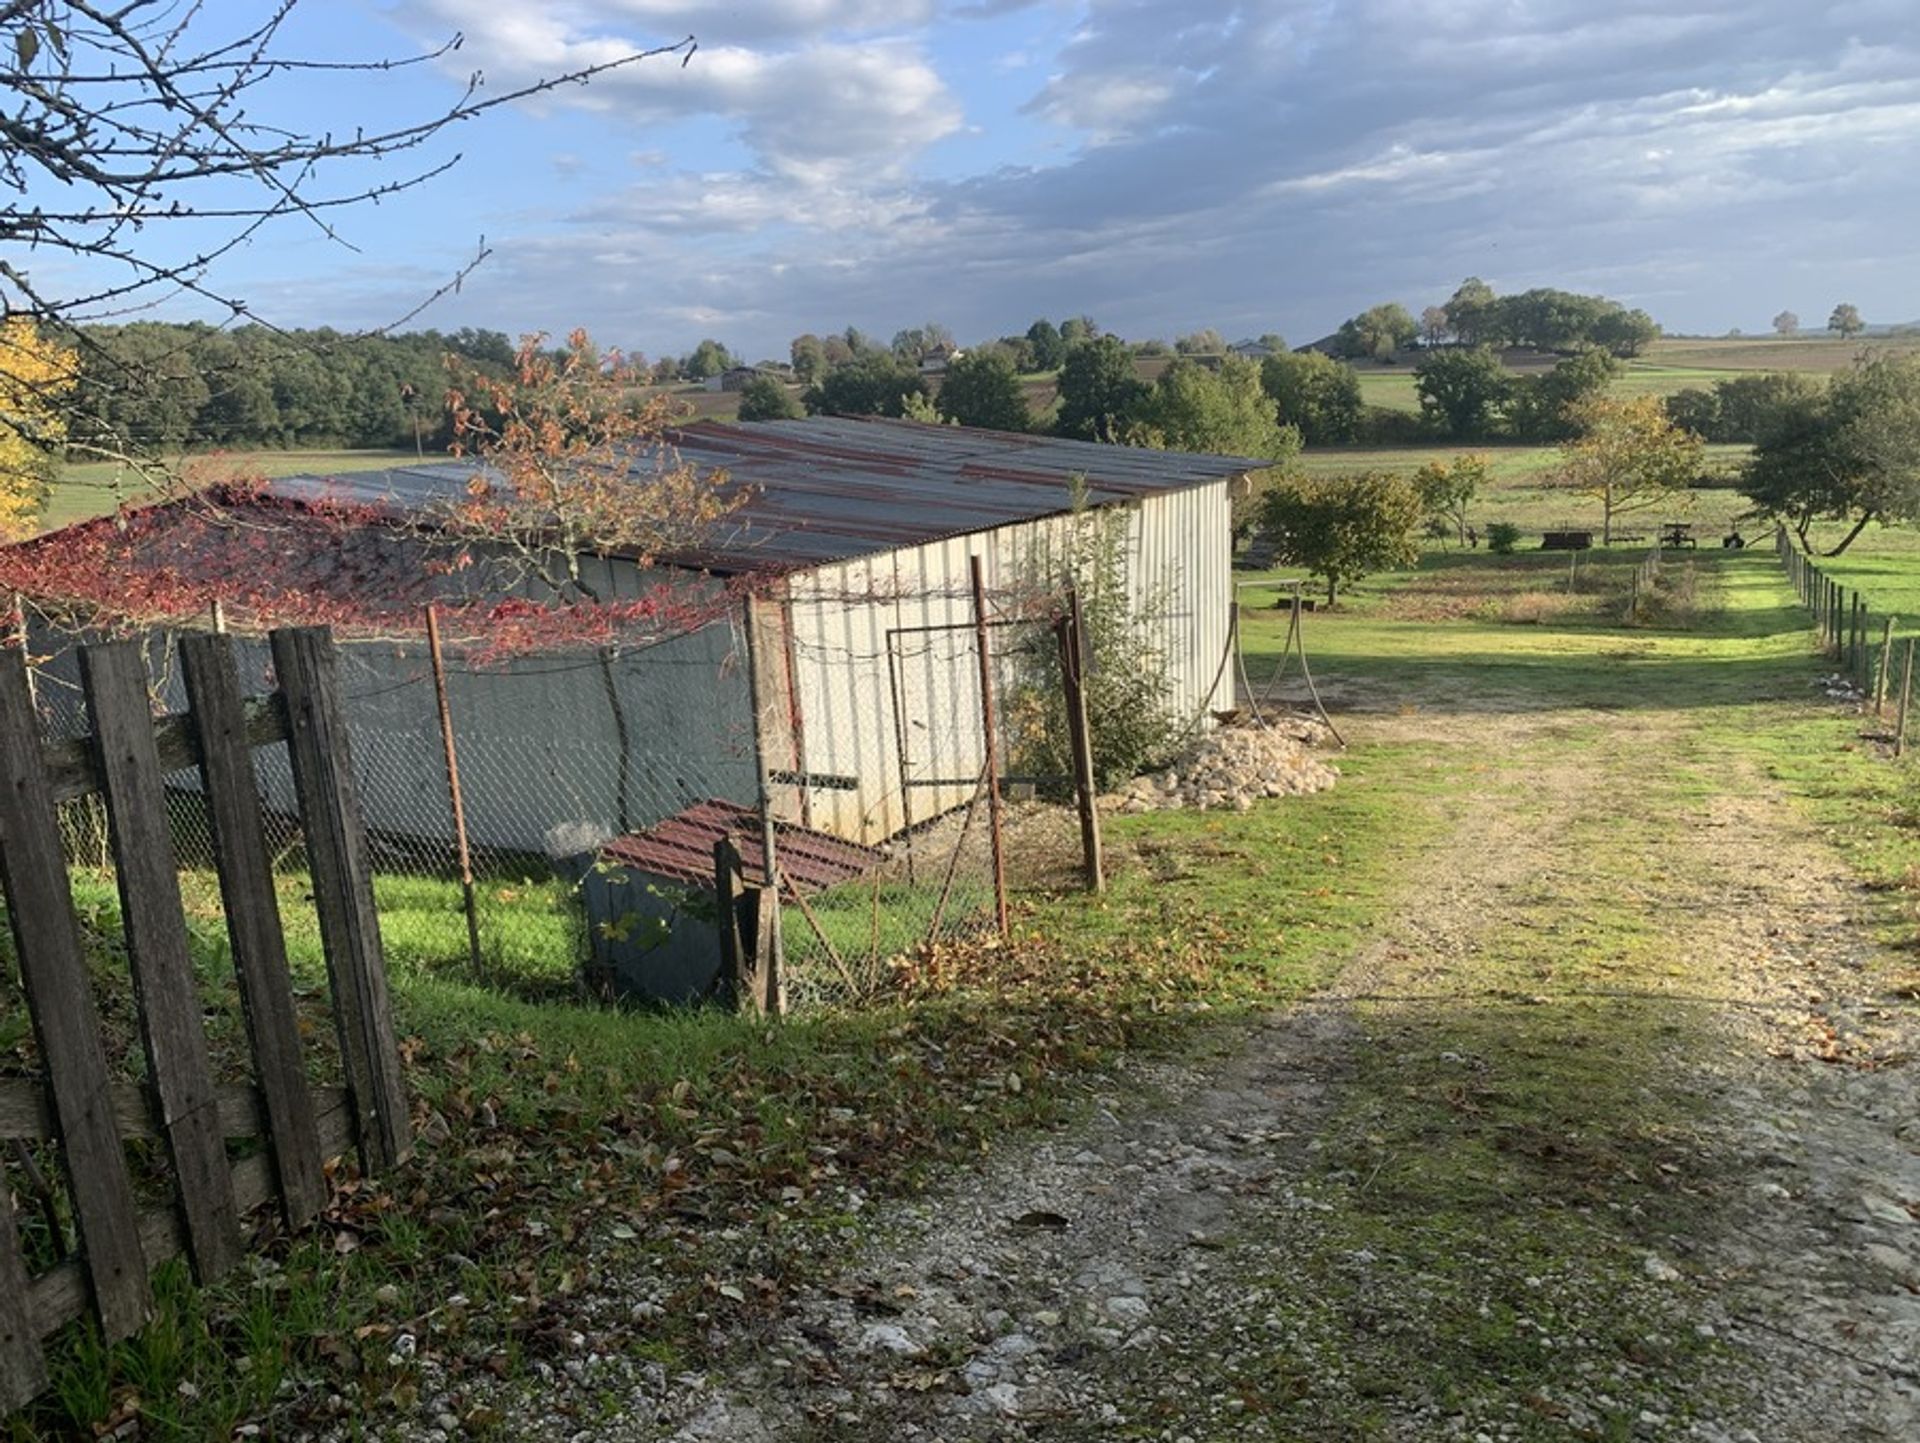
point(681, 847)
point(827, 489)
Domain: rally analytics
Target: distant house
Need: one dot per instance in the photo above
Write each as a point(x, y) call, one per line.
point(935, 361)
point(1251, 350)
point(734, 378)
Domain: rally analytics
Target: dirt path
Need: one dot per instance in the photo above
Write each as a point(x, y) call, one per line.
point(1724, 1245)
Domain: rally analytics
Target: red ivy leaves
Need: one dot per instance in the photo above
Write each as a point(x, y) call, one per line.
point(271, 562)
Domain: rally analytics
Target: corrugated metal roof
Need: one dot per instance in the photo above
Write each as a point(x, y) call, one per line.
point(681, 847)
point(827, 489)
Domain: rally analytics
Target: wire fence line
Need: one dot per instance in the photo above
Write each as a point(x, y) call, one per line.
point(545, 823)
point(1874, 657)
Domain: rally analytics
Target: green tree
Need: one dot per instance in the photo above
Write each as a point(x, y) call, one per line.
point(809, 356)
point(1043, 337)
point(1223, 411)
point(1696, 409)
point(1448, 488)
point(709, 358)
point(764, 399)
point(981, 388)
point(1207, 342)
point(1629, 456)
point(1751, 406)
point(1786, 324)
point(1341, 528)
point(1100, 391)
point(1433, 325)
point(1873, 446)
point(1077, 329)
point(1465, 389)
point(916, 341)
point(1470, 312)
point(1543, 407)
point(873, 384)
point(1622, 332)
point(1376, 332)
point(1315, 394)
point(1845, 321)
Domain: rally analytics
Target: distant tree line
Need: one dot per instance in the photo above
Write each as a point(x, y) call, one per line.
point(160, 386)
point(153, 386)
point(1543, 318)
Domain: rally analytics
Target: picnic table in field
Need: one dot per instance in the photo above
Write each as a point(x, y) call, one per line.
point(1566, 539)
point(1677, 533)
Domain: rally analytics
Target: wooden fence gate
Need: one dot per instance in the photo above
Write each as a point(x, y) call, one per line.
point(73, 1102)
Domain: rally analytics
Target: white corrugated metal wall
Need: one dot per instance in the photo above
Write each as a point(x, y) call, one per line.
point(851, 721)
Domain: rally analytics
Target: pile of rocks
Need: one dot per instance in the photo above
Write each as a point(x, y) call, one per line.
point(1234, 766)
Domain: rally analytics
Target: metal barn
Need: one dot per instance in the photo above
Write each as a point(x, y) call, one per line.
point(856, 536)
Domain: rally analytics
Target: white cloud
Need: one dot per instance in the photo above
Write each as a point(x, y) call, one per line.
point(1254, 164)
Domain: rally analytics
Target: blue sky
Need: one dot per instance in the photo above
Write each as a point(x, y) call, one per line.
point(1258, 166)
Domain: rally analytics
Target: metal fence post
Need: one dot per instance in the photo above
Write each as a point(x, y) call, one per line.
point(1073, 684)
point(455, 798)
point(990, 731)
point(770, 982)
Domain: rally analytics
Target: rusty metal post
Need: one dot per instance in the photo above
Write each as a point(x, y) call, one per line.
point(1073, 684)
point(990, 730)
point(770, 971)
point(454, 795)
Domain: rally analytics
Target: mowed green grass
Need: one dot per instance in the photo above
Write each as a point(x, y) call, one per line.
point(93, 488)
point(1524, 494)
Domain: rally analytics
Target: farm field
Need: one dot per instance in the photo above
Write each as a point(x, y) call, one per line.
point(1666, 367)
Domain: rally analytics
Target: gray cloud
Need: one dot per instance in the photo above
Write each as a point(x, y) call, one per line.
point(1259, 165)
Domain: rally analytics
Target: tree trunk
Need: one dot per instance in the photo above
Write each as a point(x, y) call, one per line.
point(1858, 527)
point(1606, 517)
point(1332, 582)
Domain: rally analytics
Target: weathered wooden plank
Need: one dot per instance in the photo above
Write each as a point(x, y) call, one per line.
point(317, 741)
point(72, 771)
point(244, 863)
point(66, 1024)
point(114, 679)
point(23, 1367)
point(26, 1110)
point(59, 1295)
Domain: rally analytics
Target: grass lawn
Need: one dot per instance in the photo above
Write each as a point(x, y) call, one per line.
point(718, 1160)
point(92, 488)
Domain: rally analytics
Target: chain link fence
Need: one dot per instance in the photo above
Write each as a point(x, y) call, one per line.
point(544, 824)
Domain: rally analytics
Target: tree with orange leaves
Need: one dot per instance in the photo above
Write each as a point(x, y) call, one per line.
point(36, 374)
point(575, 467)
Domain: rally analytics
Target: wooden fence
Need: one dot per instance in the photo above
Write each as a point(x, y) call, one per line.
point(74, 1102)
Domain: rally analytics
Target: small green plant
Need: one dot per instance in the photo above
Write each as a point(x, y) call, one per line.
point(1502, 537)
point(1129, 691)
